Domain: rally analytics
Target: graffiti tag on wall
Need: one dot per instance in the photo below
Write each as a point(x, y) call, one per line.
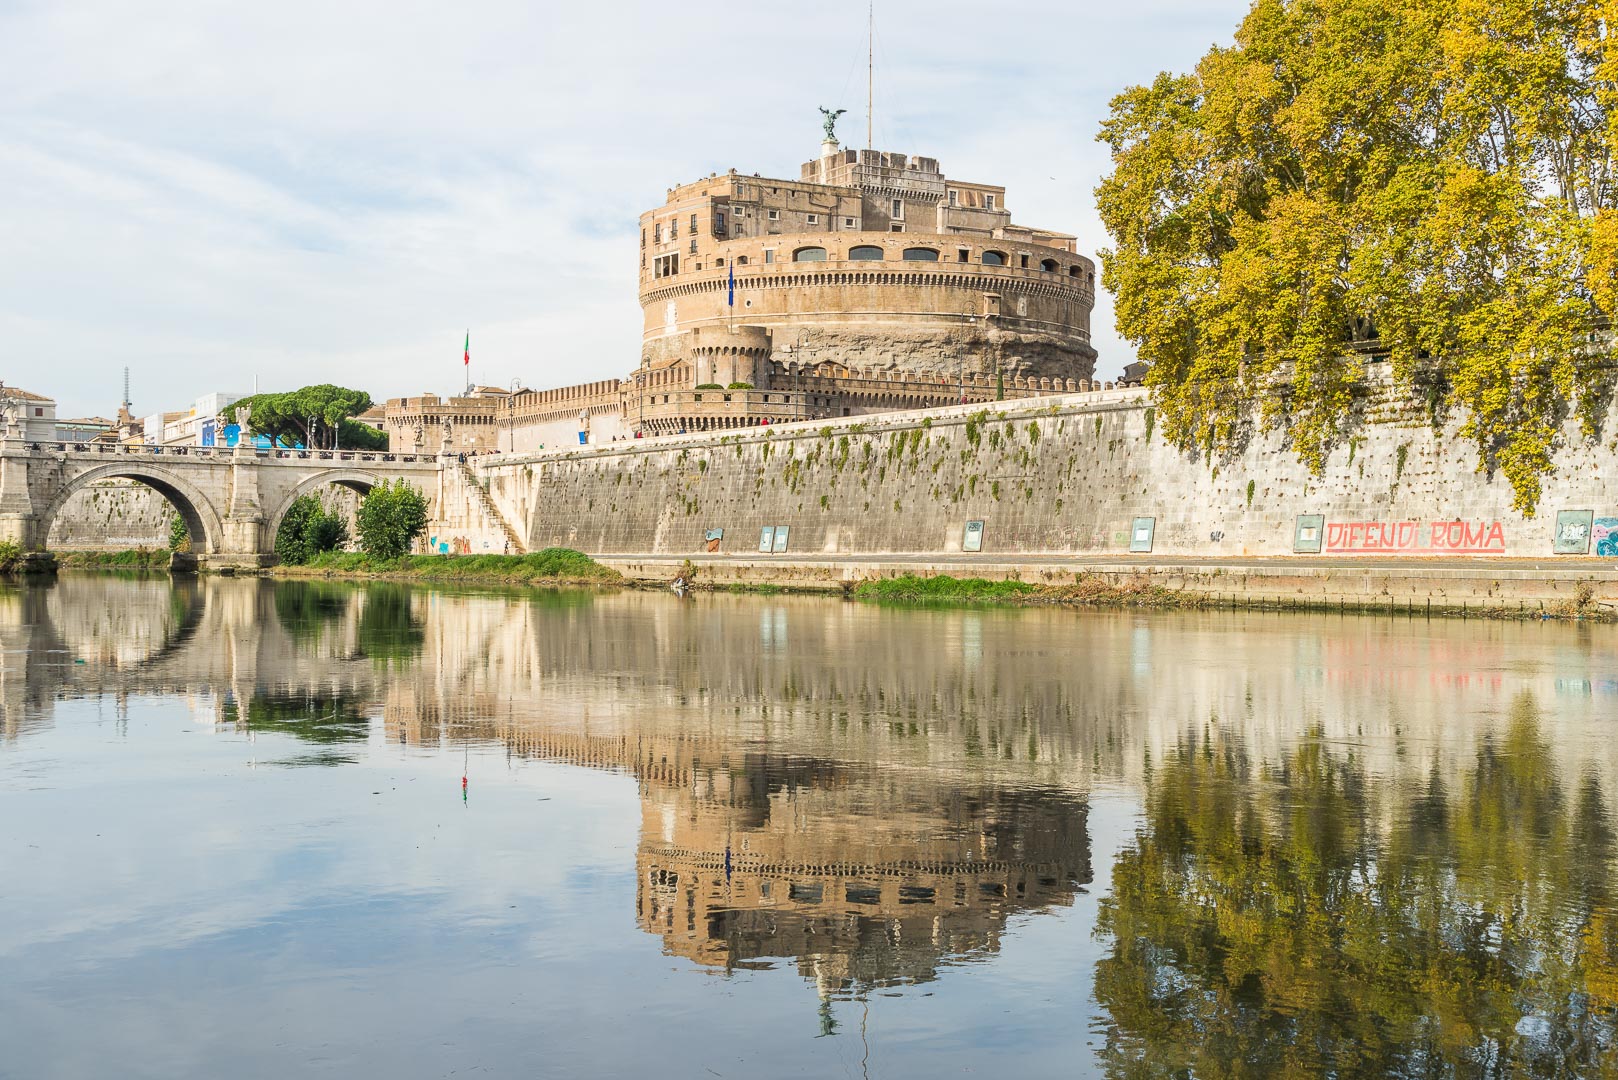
point(1416, 537)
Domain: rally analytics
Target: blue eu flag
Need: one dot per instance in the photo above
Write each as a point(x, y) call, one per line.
point(732, 289)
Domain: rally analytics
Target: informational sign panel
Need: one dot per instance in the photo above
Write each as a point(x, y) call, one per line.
point(973, 540)
point(766, 538)
point(1310, 534)
point(1573, 531)
point(1140, 534)
point(780, 538)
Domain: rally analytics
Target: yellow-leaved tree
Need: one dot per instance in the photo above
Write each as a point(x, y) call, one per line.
point(1426, 180)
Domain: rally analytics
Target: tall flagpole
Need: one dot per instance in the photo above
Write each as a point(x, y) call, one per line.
point(870, 71)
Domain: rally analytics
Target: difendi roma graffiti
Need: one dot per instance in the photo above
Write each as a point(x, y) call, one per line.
point(1416, 537)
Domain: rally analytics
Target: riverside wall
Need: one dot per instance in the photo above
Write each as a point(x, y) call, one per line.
point(1077, 474)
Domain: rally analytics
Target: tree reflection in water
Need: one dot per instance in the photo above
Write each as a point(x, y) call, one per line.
point(311, 715)
point(389, 632)
point(1310, 919)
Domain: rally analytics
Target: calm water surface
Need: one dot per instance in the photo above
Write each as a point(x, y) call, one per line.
point(748, 836)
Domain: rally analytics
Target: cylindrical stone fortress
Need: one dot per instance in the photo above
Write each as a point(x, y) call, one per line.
point(872, 261)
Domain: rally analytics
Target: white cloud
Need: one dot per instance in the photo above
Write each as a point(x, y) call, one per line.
point(307, 191)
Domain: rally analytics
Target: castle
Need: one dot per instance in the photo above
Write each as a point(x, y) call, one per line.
point(871, 283)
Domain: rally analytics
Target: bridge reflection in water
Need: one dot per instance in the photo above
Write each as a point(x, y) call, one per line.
point(1363, 847)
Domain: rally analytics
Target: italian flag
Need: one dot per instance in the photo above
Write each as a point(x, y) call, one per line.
point(466, 350)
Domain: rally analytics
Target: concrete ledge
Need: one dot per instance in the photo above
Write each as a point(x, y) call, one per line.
point(1356, 584)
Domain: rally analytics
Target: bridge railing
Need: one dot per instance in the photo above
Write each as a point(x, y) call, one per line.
point(118, 450)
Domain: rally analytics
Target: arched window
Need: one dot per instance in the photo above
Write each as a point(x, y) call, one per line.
point(1073, 271)
point(994, 258)
point(1049, 266)
point(809, 254)
point(865, 252)
point(741, 260)
point(921, 255)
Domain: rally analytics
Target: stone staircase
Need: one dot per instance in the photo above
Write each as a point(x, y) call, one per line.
point(470, 479)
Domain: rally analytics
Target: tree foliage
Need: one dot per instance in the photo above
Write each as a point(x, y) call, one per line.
point(1433, 176)
point(309, 529)
point(390, 518)
point(1309, 919)
point(314, 416)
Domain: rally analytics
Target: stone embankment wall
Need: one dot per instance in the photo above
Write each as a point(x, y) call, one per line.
point(1072, 474)
point(112, 515)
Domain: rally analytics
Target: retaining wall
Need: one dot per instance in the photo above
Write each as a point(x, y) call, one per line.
point(1081, 473)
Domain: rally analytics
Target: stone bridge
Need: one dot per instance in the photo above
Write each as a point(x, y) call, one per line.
point(232, 499)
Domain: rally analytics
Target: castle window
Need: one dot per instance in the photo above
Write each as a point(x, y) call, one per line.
point(657, 234)
point(809, 254)
point(897, 226)
point(719, 223)
point(814, 219)
point(1073, 271)
point(963, 255)
point(865, 252)
point(848, 223)
point(693, 245)
point(643, 238)
point(693, 223)
point(954, 197)
point(898, 210)
point(674, 228)
point(988, 201)
point(1049, 266)
point(769, 255)
point(775, 215)
point(994, 258)
point(1024, 261)
point(719, 262)
point(741, 260)
point(920, 255)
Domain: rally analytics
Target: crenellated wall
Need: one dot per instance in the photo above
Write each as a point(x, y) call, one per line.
point(1068, 474)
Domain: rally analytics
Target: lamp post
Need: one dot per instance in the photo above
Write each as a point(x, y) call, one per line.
point(640, 392)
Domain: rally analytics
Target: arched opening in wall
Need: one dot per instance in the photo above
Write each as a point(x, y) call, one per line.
point(1074, 271)
point(994, 258)
point(1049, 266)
point(865, 253)
point(809, 254)
point(125, 508)
point(741, 260)
point(319, 517)
point(920, 254)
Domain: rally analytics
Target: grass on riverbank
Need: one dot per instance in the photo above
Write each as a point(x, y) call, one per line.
point(130, 559)
point(553, 566)
point(1088, 591)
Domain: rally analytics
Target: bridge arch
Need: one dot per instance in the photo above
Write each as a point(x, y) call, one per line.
point(200, 517)
point(358, 480)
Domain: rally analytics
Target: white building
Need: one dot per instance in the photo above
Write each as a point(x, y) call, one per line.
point(27, 416)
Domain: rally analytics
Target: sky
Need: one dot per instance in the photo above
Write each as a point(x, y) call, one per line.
point(218, 196)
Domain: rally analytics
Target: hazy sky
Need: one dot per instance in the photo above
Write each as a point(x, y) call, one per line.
point(311, 192)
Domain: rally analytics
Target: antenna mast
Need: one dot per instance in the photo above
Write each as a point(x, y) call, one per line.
point(870, 70)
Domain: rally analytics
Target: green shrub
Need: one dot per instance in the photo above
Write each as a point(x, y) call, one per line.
point(390, 518)
point(708, 386)
point(10, 556)
point(740, 386)
point(307, 530)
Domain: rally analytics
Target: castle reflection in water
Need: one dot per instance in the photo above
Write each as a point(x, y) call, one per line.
point(869, 794)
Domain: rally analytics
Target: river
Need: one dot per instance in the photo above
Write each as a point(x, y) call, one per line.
point(259, 828)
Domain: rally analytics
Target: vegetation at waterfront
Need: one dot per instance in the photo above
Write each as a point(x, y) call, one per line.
point(550, 566)
point(1431, 179)
point(1088, 591)
point(317, 416)
point(309, 529)
point(1307, 917)
point(390, 518)
point(10, 556)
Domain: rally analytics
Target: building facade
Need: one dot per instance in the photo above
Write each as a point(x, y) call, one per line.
point(871, 283)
